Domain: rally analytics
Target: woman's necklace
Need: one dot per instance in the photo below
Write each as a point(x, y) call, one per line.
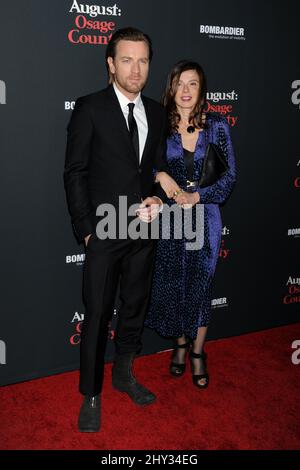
point(190, 129)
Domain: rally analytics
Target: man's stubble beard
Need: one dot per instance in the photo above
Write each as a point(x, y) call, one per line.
point(131, 88)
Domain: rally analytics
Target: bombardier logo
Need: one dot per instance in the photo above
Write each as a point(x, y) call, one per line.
point(76, 259)
point(220, 302)
point(294, 232)
point(222, 32)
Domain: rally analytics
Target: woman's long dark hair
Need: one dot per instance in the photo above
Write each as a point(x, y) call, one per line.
point(196, 117)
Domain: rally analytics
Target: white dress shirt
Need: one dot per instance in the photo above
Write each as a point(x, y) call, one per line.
point(141, 121)
point(139, 115)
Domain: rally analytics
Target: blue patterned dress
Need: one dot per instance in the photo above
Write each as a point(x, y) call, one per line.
point(182, 282)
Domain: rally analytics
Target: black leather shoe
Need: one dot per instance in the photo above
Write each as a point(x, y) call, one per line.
point(89, 416)
point(124, 381)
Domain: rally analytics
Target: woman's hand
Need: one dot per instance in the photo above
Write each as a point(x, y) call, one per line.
point(187, 200)
point(167, 183)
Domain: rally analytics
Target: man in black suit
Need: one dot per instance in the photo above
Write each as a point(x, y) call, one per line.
point(116, 138)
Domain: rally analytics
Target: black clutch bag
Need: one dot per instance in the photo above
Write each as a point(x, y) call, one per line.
point(214, 166)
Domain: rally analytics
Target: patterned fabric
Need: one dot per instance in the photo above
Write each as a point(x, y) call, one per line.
point(182, 282)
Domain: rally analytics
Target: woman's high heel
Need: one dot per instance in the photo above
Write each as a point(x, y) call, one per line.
point(178, 369)
point(197, 377)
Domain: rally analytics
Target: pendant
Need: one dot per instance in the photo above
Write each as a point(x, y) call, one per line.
point(190, 129)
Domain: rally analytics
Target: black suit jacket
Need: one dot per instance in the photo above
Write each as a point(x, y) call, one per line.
point(100, 160)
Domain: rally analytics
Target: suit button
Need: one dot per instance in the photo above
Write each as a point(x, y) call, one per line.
point(140, 170)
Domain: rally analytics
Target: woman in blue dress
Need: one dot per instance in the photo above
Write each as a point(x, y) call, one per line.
point(180, 302)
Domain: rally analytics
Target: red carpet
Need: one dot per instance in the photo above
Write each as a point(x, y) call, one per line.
point(252, 402)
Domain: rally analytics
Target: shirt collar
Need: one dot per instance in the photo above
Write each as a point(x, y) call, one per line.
point(123, 100)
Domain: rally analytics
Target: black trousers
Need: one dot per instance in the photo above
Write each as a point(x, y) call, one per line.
point(107, 263)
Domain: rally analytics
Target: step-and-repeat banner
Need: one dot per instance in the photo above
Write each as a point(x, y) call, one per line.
point(52, 52)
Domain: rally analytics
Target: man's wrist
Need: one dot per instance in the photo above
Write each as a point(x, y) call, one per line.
point(159, 201)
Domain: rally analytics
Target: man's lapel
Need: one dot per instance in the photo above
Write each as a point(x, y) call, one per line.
point(149, 116)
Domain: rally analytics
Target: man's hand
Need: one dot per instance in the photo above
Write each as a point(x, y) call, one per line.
point(149, 209)
point(86, 239)
point(187, 200)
